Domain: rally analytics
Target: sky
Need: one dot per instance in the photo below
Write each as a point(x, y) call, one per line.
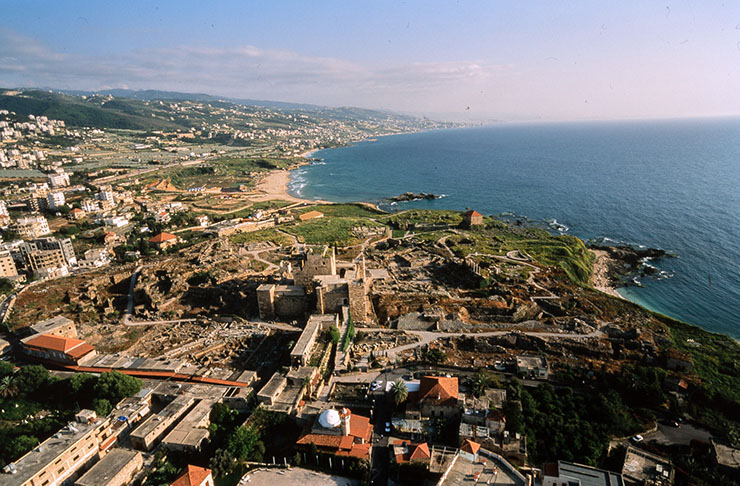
point(474, 60)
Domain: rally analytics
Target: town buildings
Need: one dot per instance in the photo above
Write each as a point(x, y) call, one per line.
point(31, 227)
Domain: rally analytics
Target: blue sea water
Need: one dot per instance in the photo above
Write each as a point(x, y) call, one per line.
point(673, 185)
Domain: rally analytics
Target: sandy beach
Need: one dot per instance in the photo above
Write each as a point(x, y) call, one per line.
point(602, 270)
point(275, 186)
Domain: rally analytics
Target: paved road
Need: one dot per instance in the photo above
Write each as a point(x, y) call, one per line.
point(668, 435)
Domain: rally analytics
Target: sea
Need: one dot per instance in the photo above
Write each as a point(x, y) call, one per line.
point(668, 184)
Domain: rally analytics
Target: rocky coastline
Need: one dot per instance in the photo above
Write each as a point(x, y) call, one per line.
point(413, 196)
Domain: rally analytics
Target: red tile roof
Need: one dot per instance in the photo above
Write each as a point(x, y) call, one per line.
point(473, 212)
point(419, 452)
point(162, 237)
point(321, 440)
point(55, 343)
point(470, 446)
point(438, 389)
point(193, 476)
point(359, 428)
point(411, 452)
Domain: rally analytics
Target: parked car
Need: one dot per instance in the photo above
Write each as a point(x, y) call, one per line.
point(636, 439)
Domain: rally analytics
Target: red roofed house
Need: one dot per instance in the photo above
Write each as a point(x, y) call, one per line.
point(163, 240)
point(340, 433)
point(469, 449)
point(110, 238)
point(472, 218)
point(58, 348)
point(194, 476)
point(405, 452)
point(438, 396)
point(76, 213)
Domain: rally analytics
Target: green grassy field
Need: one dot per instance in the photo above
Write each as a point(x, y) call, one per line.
point(267, 234)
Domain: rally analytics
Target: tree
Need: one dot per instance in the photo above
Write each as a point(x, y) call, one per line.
point(32, 378)
point(435, 356)
point(115, 386)
point(6, 369)
point(222, 463)
point(399, 392)
point(20, 445)
point(242, 442)
point(334, 334)
point(8, 388)
point(483, 381)
point(102, 407)
point(6, 286)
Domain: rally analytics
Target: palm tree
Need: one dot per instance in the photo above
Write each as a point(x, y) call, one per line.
point(399, 392)
point(8, 389)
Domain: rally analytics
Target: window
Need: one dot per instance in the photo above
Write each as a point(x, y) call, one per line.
point(60, 470)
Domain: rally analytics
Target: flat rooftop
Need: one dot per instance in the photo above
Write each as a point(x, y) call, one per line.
point(330, 279)
point(273, 385)
point(589, 476)
point(295, 475)
point(727, 456)
point(488, 469)
point(302, 373)
point(166, 415)
point(193, 428)
point(295, 290)
point(44, 327)
point(307, 337)
point(108, 467)
point(641, 465)
point(46, 452)
point(531, 361)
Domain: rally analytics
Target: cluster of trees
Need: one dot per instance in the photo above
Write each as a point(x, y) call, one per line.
point(568, 424)
point(232, 442)
point(32, 388)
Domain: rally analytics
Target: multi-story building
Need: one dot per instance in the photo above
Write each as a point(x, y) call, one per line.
point(90, 206)
point(31, 226)
point(48, 257)
point(7, 265)
point(56, 460)
point(4, 215)
point(106, 196)
point(59, 179)
point(55, 199)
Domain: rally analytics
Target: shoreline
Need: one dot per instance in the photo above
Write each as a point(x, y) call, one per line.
point(603, 274)
point(275, 186)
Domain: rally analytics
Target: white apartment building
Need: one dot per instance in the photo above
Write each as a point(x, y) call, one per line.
point(55, 199)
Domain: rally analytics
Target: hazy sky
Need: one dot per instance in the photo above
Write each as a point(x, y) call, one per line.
point(483, 60)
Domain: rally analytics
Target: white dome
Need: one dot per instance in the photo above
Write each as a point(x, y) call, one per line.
point(329, 419)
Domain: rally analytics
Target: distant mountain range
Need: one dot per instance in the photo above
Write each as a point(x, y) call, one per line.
point(153, 94)
point(131, 109)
